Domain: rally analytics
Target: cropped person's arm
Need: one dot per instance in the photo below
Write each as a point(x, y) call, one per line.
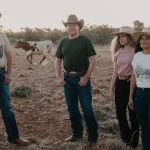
point(132, 89)
point(9, 67)
point(58, 63)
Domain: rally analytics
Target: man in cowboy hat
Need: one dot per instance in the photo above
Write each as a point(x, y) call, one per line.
point(5, 106)
point(78, 55)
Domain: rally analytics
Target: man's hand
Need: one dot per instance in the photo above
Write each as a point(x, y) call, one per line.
point(7, 78)
point(61, 81)
point(84, 80)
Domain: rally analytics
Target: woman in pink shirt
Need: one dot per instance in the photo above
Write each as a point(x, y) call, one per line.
point(122, 53)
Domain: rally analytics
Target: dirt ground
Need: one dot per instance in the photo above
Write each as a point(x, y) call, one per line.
point(43, 116)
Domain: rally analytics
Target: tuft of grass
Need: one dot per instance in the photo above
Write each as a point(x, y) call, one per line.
point(110, 126)
point(22, 91)
point(116, 145)
point(101, 115)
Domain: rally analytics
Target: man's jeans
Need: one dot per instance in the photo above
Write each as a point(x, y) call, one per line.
point(73, 93)
point(142, 108)
point(7, 114)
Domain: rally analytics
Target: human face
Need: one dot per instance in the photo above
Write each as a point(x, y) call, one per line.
point(73, 29)
point(123, 39)
point(145, 42)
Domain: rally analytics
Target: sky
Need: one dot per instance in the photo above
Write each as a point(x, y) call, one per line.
point(50, 13)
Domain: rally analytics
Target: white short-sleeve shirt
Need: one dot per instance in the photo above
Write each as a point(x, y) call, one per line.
point(5, 46)
point(141, 67)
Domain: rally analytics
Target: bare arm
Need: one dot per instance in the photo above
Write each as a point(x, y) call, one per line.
point(132, 85)
point(113, 82)
point(132, 89)
point(114, 77)
point(58, 63)
point(92, 60)
point(9, 67)
point(85, 78)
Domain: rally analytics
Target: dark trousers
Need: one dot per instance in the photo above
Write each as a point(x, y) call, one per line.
point(5, 106)
point(122, 92)
point(74, 93)
point(142, 108)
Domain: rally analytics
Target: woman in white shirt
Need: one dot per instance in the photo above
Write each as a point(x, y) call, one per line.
point(140, 85)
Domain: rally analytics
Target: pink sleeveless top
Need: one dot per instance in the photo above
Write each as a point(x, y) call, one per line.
point(123, 59)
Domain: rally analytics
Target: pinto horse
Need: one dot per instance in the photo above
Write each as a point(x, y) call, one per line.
point(38, 48)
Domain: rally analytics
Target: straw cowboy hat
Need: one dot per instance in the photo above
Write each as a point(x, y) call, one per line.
point(125, 30)
point(145, 31)
point(73, 19)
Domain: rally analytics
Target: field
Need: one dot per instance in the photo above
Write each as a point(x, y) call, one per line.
point(42, 116)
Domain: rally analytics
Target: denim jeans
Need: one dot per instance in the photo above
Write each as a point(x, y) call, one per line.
point(127, 130)
point(142, 108)
point(5, 106)
point(74, 93)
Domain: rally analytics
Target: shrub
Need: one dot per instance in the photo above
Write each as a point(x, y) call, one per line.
point(22, 91)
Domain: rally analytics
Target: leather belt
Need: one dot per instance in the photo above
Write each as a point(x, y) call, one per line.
point(75, 74)
point(143, 89)
point(124, 77)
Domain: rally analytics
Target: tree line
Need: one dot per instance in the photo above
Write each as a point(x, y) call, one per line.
point(99, 34)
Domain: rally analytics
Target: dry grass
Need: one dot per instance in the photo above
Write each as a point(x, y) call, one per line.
point(43, 115)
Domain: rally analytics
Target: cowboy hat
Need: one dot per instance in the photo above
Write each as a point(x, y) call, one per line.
point(145, 31)
point(125, 30)
point(74, 19)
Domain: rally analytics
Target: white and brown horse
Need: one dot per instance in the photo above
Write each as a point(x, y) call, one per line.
point(37, 48)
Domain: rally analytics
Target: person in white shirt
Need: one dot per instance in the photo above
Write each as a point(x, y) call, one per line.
point(5, 100)
point(140, 85)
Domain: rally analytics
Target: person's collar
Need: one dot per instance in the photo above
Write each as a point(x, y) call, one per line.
point(74, 37)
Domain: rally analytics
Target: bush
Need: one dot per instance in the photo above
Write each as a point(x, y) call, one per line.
point(98, 34)
point(22, 91)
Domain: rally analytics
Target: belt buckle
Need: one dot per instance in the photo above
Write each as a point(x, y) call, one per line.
point(74, 74)
point(143, 89)
point(121, 78)
point(71, 74)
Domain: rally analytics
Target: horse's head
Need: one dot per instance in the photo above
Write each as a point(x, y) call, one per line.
point(23, 45)
point(18, 44)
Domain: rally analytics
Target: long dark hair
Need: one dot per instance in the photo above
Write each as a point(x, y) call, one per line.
point(138, 47)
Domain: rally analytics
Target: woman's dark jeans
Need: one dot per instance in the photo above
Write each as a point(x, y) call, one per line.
point(129, 133)
point(142, 108)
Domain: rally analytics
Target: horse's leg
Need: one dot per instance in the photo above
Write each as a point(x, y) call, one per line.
point(51, 56)
point(29, 59)
point(42, 59)
point(31, 56)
